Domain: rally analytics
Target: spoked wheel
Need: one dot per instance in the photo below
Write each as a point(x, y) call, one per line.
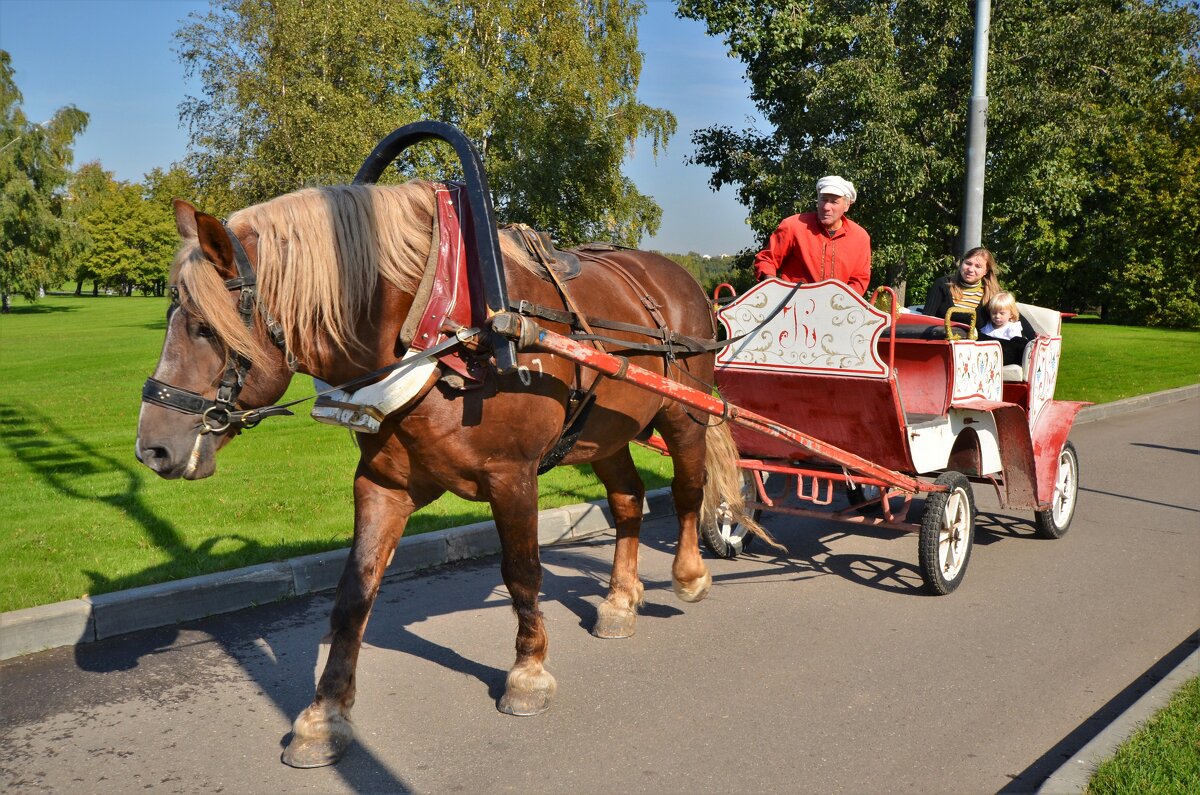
point(947, 533)
point(728, 538)
point(1055, 522)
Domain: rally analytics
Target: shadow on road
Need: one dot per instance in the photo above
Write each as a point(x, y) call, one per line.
point(1032, 777)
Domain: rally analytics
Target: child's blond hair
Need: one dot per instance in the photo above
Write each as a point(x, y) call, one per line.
point(1005, 300)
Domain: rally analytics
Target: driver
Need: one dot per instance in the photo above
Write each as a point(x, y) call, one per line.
point(824, 244)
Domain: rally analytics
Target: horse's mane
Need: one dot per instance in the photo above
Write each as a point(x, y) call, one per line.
point(320, 254)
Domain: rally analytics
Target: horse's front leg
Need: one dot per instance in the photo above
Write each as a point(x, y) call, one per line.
point(617, 614)
point(529, 686)
point(322, 732)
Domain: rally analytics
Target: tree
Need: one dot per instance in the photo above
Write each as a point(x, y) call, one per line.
point(35, 162)
point(297, 92)
point(878, 92)
point(131, 237)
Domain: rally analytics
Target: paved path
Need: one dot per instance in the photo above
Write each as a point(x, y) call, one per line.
point(825, 671)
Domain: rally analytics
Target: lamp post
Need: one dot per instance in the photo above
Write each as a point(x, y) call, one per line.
point(972, 221)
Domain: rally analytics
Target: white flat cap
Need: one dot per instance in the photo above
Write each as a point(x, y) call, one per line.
point(838, 187)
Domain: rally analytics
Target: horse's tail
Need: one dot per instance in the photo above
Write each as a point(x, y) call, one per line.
point(723, 487)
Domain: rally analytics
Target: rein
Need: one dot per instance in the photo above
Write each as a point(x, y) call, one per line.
point(672, 343)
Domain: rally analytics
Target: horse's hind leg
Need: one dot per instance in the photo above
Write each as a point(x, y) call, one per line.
point(529, 686)
point(685, 440)
point(617, 615)
point(322, 732)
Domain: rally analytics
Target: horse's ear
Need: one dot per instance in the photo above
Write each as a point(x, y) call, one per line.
point(185, 218)
point(215, 244)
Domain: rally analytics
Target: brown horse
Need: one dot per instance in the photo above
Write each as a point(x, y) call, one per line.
point(336, 272)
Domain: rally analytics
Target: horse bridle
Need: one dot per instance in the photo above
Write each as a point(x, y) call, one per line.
point(219, 414)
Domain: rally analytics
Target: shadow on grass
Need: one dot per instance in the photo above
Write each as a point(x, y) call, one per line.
point(38, 309)
point(59, 458)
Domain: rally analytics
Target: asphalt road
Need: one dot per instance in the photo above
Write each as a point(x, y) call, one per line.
point(824, 671)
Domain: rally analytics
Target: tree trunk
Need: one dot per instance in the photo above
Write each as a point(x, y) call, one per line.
point(5, 304)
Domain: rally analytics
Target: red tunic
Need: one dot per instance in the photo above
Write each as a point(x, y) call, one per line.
point(800, 250)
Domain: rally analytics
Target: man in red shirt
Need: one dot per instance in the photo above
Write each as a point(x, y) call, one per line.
point(820, 245)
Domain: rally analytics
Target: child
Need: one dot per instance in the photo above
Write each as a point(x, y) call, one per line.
point(1007, 327)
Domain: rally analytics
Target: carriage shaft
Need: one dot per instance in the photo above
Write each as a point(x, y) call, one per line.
point(530, 336)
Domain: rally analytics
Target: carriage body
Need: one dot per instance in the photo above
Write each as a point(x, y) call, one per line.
point(892, 389)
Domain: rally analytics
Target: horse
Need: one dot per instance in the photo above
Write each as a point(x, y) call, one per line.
point(320, 282)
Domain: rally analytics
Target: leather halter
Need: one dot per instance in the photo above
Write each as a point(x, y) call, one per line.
point(219, 415)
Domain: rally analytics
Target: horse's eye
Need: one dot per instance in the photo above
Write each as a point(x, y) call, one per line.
point(204, 331)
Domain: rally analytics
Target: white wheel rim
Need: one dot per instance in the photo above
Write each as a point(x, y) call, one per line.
point(954, 537)
point(727, 527)
point(1063, 501)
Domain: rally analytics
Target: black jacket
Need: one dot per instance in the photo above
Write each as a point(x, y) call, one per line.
point(939, 301)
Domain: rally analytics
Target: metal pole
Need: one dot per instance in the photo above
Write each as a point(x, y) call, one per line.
point(972, 222)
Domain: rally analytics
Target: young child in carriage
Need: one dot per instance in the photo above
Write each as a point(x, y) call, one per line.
point(1007, 327)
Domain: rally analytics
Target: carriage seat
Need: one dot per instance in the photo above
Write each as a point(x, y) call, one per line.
point(1045, 323)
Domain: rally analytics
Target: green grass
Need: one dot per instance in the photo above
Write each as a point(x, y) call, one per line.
point(1103, 363)
point(1163, 757)
point(84, 517)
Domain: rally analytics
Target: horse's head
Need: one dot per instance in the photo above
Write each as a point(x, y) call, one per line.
point(218, 362)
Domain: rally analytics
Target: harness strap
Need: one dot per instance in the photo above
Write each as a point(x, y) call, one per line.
point(673, 341)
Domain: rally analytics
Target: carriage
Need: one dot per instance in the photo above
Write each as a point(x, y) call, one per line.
point(396, 301)
point(920, 400)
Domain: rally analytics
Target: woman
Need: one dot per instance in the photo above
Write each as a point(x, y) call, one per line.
point(972, 286)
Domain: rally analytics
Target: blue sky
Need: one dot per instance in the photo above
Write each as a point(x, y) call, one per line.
point(115, 59)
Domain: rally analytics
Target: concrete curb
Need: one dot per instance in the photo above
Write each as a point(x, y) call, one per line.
point(93, 618)
point(77, 621)
point(1100, 411)
point(1076, 772)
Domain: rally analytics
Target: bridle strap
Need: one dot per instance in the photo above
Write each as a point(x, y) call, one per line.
point(217, 415)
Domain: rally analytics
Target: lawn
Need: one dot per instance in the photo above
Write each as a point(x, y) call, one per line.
point(1102, 363)
point(84, 517)
point(1163, 757)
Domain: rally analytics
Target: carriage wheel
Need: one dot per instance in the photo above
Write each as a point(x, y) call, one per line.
point(727, 538)
point(947, 533)
point(1055, 522)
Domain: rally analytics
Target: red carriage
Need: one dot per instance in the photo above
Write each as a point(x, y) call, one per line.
point(929, 413)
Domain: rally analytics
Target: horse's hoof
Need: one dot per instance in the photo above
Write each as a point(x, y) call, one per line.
point(524, 705)
point(306, 752)
point(614, 623)
point(527, 692)
point(694, 591)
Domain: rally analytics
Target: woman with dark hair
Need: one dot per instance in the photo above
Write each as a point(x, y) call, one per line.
point(972, 286)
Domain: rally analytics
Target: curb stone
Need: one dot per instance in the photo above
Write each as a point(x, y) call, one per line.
point(1075, 774)
point(89, 619)
point(1100, 411)
point(93, 618)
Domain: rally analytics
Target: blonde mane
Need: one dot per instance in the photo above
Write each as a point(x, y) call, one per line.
point(320, 254)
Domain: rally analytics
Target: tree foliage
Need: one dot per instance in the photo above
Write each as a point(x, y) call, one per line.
point(1085, 99)
point(35, 160)
point(130, 236)
point(298, 92)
